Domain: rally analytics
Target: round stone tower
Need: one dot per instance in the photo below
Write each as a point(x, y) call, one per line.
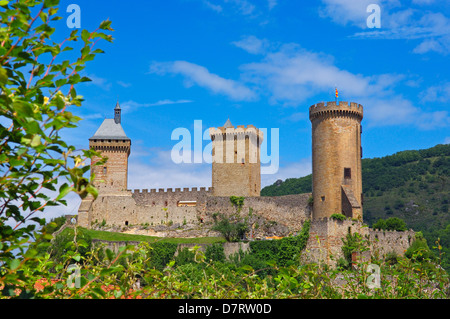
point(336, 159)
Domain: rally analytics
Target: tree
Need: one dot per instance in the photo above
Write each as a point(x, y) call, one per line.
point(232, 231)
point(38, 77)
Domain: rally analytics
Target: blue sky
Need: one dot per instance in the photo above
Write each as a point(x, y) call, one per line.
point(264, 63)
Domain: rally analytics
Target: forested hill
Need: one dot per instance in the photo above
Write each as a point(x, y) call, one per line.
point(413, 185)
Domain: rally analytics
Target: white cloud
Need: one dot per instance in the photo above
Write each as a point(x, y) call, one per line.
point(290, 170)
point(437, 93)
point(212, 6)
point(98, 81)
point(271, 4)
point(130, 106)
point(199, 75)
point(292, 75)
point(345, 12)
point(423, 2)
point(124, 84)
point(161, 172)
point(432, 28)
point(252, 44)
point(244, 7)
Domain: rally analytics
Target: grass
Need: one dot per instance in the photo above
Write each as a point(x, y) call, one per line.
point(112, 236)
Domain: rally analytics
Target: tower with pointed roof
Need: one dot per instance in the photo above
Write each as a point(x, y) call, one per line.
point(112, 142)
point(236, 166)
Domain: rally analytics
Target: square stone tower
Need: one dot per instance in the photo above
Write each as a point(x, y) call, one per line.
point(236, 166)
point(336, 158)
point(111, 141)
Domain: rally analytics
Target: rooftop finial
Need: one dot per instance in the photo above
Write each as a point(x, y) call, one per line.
point(117, 112)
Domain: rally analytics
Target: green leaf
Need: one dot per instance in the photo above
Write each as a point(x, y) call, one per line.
point(105, 25)
point(85, 35)
point(14, 264)
point(3, 76)
point(35, 141)
point(63, 191)
point(50, 3)
point(4, 2)
point(31, 253)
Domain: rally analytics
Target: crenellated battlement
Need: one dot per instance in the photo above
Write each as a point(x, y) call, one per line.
point(240, 130)
point(332, 108)
point(172, 190)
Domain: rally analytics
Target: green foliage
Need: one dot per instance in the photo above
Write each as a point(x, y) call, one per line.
point(282, 252)
point(232, 230)
point(289, 186)
point(161, 253)
point(185, 256)
point(70, 239)
point(237, 201)
point(38, 83)
point(215, 252)
point(419, 249)
point(338, 217)
point(352, 243)
point(392, 223)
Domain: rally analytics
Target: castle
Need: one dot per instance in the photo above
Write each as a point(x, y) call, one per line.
point(337, 186)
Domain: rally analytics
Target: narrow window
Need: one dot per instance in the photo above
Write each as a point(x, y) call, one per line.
point(323, 198)
point(104, 170)
point(347, 172)
point(126, 223)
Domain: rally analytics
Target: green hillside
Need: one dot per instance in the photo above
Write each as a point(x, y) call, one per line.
point(412, 185)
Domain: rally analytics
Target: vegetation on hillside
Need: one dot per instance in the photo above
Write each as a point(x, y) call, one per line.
point(271, 269)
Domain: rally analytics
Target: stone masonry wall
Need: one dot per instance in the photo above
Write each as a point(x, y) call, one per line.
point(325, 240)
point(289, 211)
point(384, 242)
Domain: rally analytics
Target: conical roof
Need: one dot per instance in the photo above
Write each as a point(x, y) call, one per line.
point(110, 130)
point(228, 124)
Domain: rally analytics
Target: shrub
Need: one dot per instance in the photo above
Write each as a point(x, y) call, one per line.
point(338, 216)
point(161, 254)
point(185, 256)
point(215, 252)
point(232, 231)
point(419, 249)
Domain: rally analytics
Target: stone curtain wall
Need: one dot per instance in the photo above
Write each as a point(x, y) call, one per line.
point(325, 240)
point(170, 196)
point(384, 242)
point(290, 211)
point(282, 215)
point(229, 248)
